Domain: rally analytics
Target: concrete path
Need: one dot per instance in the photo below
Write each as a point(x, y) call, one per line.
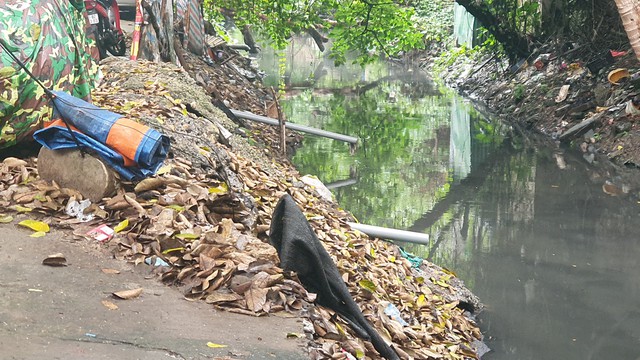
point(57, 312)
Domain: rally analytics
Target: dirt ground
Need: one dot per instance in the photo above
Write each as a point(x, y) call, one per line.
point(64, 312)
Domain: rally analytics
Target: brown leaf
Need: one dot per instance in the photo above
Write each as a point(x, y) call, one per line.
point(149, 184)
point(256, 298)
point(55, 260)
point(128, 294)
point(14, 162)
point(222, 297)
point(109, 305)
point(110, 271)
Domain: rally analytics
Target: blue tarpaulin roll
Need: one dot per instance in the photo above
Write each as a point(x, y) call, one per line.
point(134, 150)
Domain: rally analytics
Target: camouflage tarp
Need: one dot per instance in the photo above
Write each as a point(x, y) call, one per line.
point(49, 37)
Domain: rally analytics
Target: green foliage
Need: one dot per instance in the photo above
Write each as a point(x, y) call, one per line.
point(518, 92)
point(436, 19)
point(360, 26)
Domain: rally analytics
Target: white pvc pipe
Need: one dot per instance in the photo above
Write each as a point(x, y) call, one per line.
point(391, 234)
point(297, 127)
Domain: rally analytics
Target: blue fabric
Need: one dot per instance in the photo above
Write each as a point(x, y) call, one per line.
point(88, 118)
point(58, 138)
point(95, 124)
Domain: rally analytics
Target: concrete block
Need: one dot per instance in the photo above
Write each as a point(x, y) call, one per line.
point(68, 168)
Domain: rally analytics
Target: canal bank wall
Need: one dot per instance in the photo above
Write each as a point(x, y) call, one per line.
point(565, 100)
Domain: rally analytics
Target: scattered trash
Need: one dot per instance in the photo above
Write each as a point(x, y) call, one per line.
point(632, 107)
point(562, 95)
point(158, 261)
point(318, 186)
point(541, 61)
point(34, 290)
point(616, 54)
point(109, 305)
point(55, 260)
point(617, 75)
point(128, 294)
point(102, 233)
point(90, 335)
point(348, 355)
point(76, 209)
point(393, 312)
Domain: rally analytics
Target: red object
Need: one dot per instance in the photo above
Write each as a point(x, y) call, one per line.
point(617, 53)
point(135, 42)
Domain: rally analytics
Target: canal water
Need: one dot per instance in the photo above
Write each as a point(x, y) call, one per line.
point(529, 229)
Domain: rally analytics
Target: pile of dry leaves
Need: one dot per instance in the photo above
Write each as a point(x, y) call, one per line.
point(204, 220)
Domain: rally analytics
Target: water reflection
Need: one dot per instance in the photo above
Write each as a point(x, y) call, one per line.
point(554, 259)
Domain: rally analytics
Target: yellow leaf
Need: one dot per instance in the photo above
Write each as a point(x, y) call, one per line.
point(121, 226)
point(177, 208)
point(19, 208)
point(215, 346)
point(5, 219)
point(367, 285)
point(163, 170)
point(172, 250)
point(38, 234)
point(220, 189)
point(422, 301)
point(187, 236)
point(340, 329)
point(35, 225)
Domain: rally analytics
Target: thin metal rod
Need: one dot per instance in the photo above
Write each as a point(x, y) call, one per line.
point(297, 127)
point(341, 183)
point(391, 234)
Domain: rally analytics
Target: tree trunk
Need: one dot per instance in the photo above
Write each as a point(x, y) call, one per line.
point(516, 45)
point(630, 15)
point(248, 39)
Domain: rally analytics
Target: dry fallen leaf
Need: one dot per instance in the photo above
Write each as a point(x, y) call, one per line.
point(128, 294)
point(109, 305)
point(35, 225)
point(55, 260)
point(110, 271)
point(14, 162)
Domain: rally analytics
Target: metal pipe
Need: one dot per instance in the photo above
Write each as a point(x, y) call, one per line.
point(297, 127)
point(392, 234)
point(341, 183)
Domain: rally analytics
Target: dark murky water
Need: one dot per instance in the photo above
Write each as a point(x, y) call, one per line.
point(555, 260)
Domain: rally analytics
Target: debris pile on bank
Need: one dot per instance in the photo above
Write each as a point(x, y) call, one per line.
point(590, 103)
point(203, 221)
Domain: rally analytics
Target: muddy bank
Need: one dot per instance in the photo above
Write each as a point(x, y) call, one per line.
point(567, 99)
point(204, 219)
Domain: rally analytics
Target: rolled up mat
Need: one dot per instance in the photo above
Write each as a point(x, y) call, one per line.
point(134, 150)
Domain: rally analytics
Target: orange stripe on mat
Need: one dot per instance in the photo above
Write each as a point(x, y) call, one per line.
point(125, 137)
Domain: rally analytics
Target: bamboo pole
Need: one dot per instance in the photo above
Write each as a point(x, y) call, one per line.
point(629, 11)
